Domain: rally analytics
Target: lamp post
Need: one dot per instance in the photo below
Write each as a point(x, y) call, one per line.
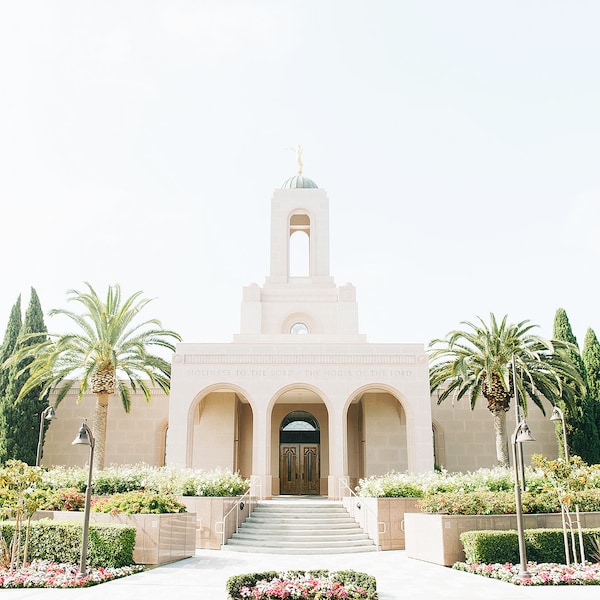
point(85, 438)
point(520, 435)
point(559, 415)
point(49, 414)
point(518, 418)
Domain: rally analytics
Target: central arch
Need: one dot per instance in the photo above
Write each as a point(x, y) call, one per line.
point(299, 451)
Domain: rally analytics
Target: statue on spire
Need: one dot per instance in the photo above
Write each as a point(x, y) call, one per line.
point(298, 151)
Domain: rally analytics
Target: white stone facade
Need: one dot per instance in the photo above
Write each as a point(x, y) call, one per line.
point(370, 402)
point(299, 400)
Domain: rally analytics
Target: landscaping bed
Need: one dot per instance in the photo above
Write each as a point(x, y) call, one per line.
point(308, 585)
point(541, 574)
point(47, 574)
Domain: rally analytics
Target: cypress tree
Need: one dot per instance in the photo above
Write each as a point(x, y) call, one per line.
point(580, 418)
point(8, 347)
point(591, 360)
point(23, 417)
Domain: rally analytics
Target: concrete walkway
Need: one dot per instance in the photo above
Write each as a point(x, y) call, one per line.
point(203, 577)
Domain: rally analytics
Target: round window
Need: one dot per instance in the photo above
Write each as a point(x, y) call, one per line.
point(299, 329)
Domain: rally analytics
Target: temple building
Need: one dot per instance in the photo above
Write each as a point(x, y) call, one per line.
point(300, 399)
point(299, 402)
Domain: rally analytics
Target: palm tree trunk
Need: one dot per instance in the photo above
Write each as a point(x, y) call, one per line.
point(501, 437)
point(100, 418)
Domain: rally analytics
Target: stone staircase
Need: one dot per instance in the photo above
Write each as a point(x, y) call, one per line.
point(301, 525)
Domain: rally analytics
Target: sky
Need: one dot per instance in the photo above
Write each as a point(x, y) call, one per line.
point(458, 142)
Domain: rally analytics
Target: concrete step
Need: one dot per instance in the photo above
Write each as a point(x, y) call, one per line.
point(297, 522)
point(342, 535)
point(304, 526)
point(309, 544)
point(280, 526)
point(295, 550)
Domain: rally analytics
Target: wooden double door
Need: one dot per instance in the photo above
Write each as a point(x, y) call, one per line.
point(299, 469)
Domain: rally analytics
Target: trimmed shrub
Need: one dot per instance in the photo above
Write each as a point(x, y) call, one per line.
point(108, 546)
point(490, 546)
point(162, 480)
point(393, 485)
point(498, 479)
point(367, 582)
point(503, 503)
point(542, 545)
point(215, 483)
point(132, 503)
point(236, 582)
point(117, 480)
point(469, 503)
point(62, 499)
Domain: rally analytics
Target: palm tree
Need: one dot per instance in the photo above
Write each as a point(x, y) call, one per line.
point(108, 353)
point(477, 362)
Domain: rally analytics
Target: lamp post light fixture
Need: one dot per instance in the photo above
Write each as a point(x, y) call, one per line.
point(50, 415)
point(521, 434)
point(85, 438)
point(559, 415)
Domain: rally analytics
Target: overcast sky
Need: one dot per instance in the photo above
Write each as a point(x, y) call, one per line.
point(458, 142)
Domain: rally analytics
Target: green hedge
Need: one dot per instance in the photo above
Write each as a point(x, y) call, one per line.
point(542, 545)
point(503, 502)
point(237, 582)
point(134, 503)
point(108, 545)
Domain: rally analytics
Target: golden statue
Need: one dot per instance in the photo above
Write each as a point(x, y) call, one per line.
point(298, 151)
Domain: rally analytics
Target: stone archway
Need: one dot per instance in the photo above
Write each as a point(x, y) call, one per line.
point(220, 431)
point(377, 436)
point(299, 442)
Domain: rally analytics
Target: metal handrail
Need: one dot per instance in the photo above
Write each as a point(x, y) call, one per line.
point(239, 505)
point(343, 481)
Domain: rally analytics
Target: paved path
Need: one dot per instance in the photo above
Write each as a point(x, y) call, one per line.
point(203, 577)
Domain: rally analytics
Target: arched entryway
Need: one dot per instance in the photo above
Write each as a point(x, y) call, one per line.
point(299, 454)
point(377, 434)
point(300, 422)
point(220, 430)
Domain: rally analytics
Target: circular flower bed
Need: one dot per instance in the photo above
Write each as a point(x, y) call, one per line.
point(309, 585)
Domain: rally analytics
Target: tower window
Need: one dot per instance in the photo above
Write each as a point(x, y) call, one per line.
point(299, 245)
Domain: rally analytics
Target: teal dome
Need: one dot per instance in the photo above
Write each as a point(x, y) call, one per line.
point(298, 181)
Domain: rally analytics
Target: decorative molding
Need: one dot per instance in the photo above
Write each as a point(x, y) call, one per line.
point(74, 391)
point(300, 299)
point(300, 359)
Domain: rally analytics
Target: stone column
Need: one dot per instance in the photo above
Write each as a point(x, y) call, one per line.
point(338, 451)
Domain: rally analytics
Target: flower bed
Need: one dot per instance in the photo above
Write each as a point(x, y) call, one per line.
point(44, 574)
point(541, 574)
point(162, 480)
point(309, 585)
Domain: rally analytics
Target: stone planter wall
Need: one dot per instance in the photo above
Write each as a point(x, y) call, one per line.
point(435, 538)
point(369, 512)
point(209, 513)
point(159, 539)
